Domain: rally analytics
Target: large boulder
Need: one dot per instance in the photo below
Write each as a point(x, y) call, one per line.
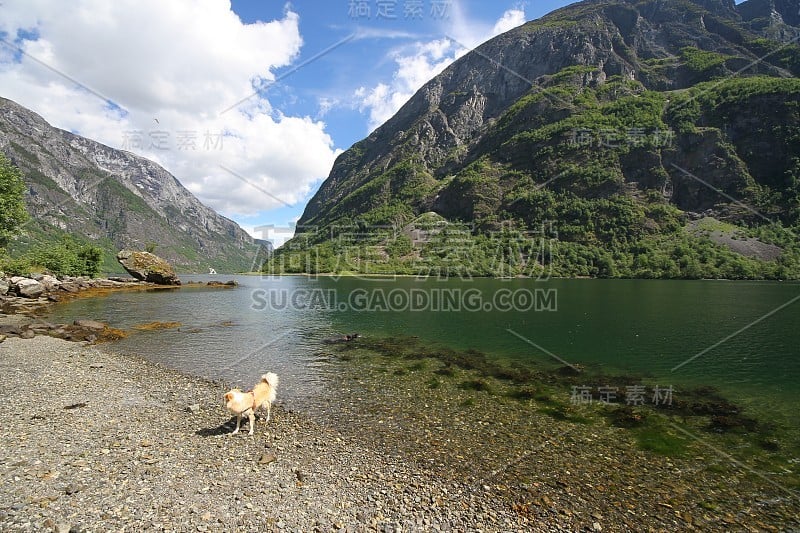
point(148, 267)
point(29, 288)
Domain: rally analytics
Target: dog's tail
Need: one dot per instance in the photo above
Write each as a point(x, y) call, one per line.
point(271, 379)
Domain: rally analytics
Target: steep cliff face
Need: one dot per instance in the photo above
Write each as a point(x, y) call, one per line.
point(779, 19)
point(630, 107)
point(642, 41)
point(115, 198)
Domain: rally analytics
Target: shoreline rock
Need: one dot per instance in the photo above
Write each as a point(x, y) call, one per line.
point(31, 295)
point(19, 308)
point(226, 284)
point(28, 288)
point(90, 331)
point(23, 299)
point(145, 266)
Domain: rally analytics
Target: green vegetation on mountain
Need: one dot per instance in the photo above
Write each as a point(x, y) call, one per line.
point(609, 139)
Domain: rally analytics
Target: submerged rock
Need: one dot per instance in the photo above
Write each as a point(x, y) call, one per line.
point(344, 338)
point(90, 324)
point(145, 266)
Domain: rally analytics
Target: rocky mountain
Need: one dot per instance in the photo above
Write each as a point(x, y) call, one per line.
point(82, 188)
point(651, 138)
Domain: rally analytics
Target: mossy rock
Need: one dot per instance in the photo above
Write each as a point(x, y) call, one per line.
point(145, 266)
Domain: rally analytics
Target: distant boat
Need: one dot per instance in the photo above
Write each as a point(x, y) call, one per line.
point(212, 272)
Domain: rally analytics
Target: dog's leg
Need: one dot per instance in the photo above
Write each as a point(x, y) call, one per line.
point(252, 417)
point(238, 421)
point(269, 408)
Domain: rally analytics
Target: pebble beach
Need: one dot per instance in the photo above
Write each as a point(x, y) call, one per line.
point(96, 441)
point(92, 441)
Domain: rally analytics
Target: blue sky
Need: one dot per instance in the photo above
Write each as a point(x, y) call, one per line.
point(367, 60)
point(394, 28)
point(246, 102)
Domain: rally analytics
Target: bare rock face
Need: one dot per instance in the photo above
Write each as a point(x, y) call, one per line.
point(476, 106)
point(148, 267)
point(115, 195)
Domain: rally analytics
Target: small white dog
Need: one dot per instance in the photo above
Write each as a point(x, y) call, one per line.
point(241, 403)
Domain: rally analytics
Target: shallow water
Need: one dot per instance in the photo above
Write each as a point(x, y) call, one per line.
point(677, 333)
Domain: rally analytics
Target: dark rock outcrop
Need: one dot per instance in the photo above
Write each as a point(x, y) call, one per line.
point(145, 266)
point(225, 284)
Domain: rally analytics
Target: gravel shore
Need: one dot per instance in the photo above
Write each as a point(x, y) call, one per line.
point(92, 441)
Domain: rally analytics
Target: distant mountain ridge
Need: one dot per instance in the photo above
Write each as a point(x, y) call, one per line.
point(700, 97)
point(115, 198)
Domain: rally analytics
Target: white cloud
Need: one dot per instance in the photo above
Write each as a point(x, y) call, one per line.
point(172, 67)
point(510, 20)
point(418, 63)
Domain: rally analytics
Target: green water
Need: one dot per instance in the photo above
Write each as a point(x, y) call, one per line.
point(665, 330)
point(622, 327)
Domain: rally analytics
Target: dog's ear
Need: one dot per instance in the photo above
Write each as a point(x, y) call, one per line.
point(228, 396)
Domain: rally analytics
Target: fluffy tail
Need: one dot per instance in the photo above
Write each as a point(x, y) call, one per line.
point(271, 379)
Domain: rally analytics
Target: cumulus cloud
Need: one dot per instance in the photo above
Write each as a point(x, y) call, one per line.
point(418, 63)
point(153, 77)
point(510, 20)
point(414, 68)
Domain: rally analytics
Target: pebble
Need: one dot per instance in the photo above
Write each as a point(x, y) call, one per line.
point(72, 488)
point(267, 458)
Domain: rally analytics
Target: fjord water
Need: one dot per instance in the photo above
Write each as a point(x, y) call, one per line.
point(677, 333)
